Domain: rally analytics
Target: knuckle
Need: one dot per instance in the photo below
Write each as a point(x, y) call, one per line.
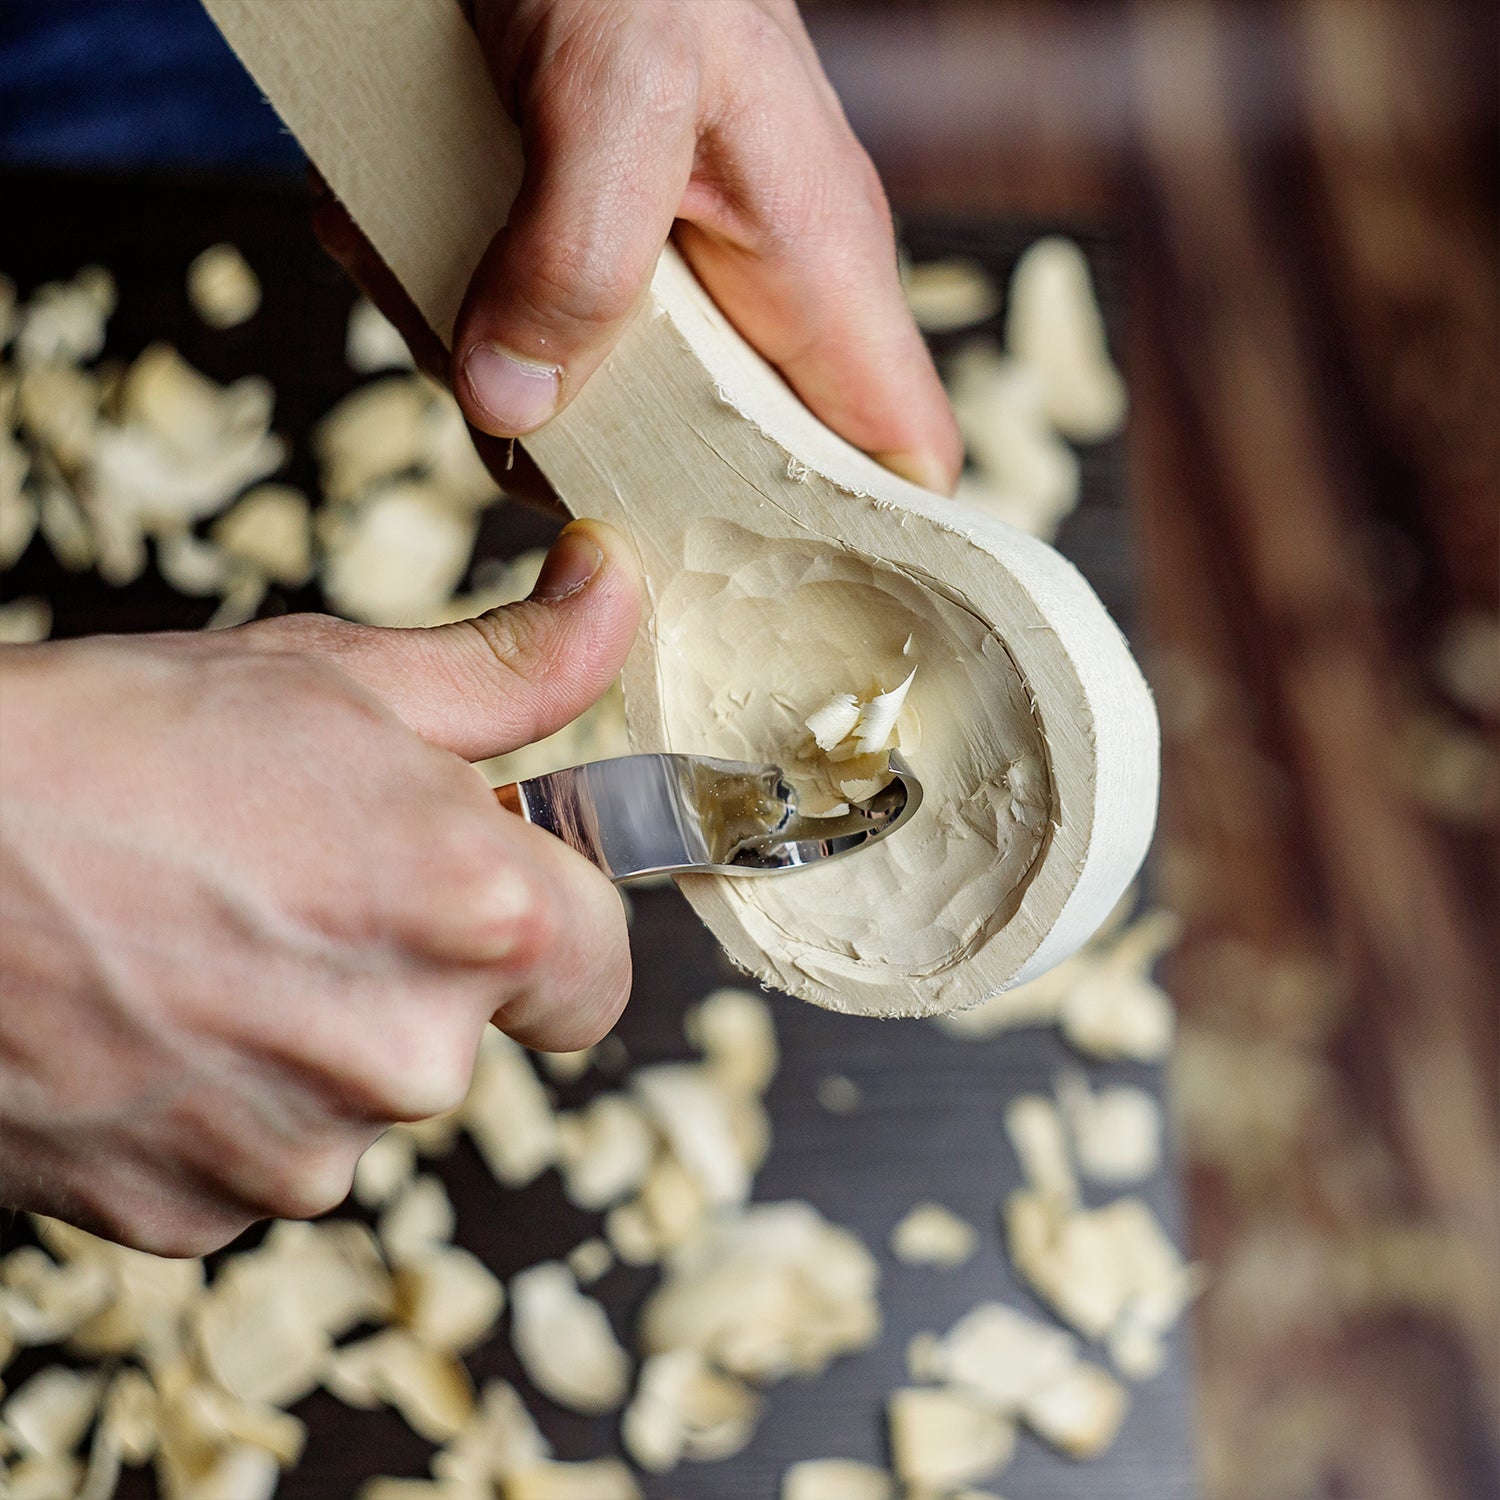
point(461, 858)
point(537, 934)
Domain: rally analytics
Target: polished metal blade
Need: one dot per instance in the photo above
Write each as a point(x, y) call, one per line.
point(642, 815)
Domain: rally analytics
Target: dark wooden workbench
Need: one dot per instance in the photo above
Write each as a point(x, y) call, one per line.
point(930, 1121)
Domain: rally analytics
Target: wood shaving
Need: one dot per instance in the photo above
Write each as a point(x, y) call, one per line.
point(946, 295)
point(839, 1095)
point(435, 1137)
point(241, 603)
point(1100, 1270)
point(776, 1291)
point(418, 1219)
point(191, 565)
point(269, 529)
point(383, 1487)
point(386, 1166)
point(1036, 1133)
point(448, 1298)
point(183, 447)
point(1053, 327)
point(683, 1409)
point(564, 1341)
point(23, 621)
point(400, 427)
point(847, 757)
point(499, 1439)
point(566, 1067)
point(1002, 1356)
point(18, 510)
point(736, 1033)
point(52, 1411)
point(1113, 1015)
point(590, 1261)
point(604, 1151)
point(429, 1387)
point(42, 1302)
point(631, 1236)
point(233, 1471)
point(395, 558)
point(44, 1478)
point(223, 289)
point(931, 1235)
point(372, 343)
point(693, 1114)
point(254, 1341)
point(66, 530)
point(875, 727)
point(57, 410)
point(1001, 409)
point(834, 722)
point(836, 1479)
point(63, 322)
point(941, 1438)
point(1080, 1414)
point(602, 1479)
point(131, 1415)
point(1115, 1131)
point(507, 1113)
point(1120, 1008)
point(674, 1202)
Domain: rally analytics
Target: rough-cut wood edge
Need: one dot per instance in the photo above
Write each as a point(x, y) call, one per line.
point(391, 100)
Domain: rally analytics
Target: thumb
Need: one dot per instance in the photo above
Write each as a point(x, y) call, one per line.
point(516, 674)
point(561, 282)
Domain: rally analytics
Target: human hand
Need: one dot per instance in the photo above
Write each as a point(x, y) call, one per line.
point(718, 119)
point(255, 905)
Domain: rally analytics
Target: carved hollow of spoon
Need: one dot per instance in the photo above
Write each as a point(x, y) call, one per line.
point(781, 567)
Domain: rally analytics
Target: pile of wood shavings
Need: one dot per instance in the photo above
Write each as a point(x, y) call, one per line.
point(109, 464)
point(1110, 1275)
point(1020, 407)
point(194, 1374)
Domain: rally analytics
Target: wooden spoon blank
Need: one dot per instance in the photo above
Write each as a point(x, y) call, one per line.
point(782, 565)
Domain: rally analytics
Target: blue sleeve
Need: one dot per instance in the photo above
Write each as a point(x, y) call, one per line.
point(129, 83)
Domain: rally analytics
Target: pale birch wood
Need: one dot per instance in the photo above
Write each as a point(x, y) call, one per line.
point(741, 501)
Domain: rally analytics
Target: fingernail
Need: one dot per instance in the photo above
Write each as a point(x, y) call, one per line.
point(920, 468)
point(574, 559)
point(516, 397)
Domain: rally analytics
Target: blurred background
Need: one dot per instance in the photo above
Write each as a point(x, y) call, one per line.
point(1293, 212)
